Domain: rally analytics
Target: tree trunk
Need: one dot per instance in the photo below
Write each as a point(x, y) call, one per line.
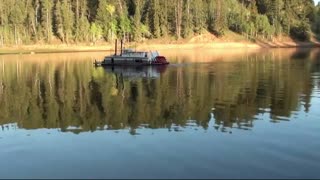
point(34, 29)
point(47, 25)
point(36, 13)
point(77, 21)
point(218, 15)
point(188, 9)
point(1, 12)
point(178, 13)
point(77, 13)
point(15, 34)
point(1, 40)
point(120, 5)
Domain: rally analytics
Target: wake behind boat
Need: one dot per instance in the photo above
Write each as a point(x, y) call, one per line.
point(130, 57)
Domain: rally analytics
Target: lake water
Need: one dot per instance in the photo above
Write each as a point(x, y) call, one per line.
point(209, 114)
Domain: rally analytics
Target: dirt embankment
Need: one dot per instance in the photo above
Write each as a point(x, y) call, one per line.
point(206, 40)
point(229, 41)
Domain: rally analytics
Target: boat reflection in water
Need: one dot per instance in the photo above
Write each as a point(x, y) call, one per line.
point(69, 96)
point(136, 72)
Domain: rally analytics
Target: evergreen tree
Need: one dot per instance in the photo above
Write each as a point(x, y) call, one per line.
point(92, 9)
point(95, 32)
point(106, 18)
point(178, 9)
point(31, 21)
point(137, 20)
point(68, 19)
point(46, 18)
point(58, 21)
point(124, 23)
point(16, 19)
point(199, 12)
point(82, 25)
point(155, 16)
point(163, 18)
point(217, 17)
point(187, 25)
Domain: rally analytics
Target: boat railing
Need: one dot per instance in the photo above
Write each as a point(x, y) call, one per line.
point(154, 54)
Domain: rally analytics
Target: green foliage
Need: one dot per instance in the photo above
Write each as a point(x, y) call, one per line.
point(16, 16)
point(105, 19)
point(125, 26)
point(82, 30)
point(82, 25)
point(262, 25)
point(68, 19)
point(46, 18)
point(154, 14)
point(26, 21)
point(199, 11)
point(164, 18)
point(218, 17)
point(58, 21)
point(136, 29)
point(95, 32)
point(145, 30)
point(187, 25)
point(301, 31)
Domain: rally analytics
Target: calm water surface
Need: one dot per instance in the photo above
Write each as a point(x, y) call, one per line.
point(210, 114)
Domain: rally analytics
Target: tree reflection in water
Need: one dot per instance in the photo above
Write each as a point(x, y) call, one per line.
point(75, 96)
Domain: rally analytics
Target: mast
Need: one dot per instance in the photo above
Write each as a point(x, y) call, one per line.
point(115, 48)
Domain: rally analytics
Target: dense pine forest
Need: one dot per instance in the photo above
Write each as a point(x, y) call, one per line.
point(74, 21)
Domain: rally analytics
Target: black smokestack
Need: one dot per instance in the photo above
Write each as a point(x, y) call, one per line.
point(115, 48)
point(121, 47)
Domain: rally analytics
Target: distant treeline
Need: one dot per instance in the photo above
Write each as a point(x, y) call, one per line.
point(33, 21)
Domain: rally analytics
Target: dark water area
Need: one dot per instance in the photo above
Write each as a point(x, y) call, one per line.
point(209, 114)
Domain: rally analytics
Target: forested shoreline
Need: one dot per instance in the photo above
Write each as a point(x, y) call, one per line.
point(25, 22)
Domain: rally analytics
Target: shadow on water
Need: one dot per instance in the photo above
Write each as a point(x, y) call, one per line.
point(219, 94)
point(301, 54)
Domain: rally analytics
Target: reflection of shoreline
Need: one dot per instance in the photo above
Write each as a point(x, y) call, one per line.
point(74, 94)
